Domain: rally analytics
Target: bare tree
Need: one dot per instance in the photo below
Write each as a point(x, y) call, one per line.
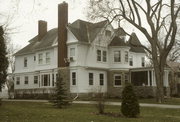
point(152, 19)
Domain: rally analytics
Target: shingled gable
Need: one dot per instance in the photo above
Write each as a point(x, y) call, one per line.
point(35, 44)
point(133, 41)
point(85, 31)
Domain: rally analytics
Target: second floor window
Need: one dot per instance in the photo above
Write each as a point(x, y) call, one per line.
point(98, 55)
point(143, 62)
point(72, 52)
point(91, 78)
point(117, 56)
point(26, 80)
point(131, 61)
point(126, 56)
point(47, 57)
point(25, 61)
point(40, 58)
point(104, 56)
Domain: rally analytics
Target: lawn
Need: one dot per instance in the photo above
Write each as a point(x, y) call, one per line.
point(45, 112)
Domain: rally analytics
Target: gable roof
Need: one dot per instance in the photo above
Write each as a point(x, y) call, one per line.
point(36, 44)
point(86, 31)
point(116, 41)
point(133, 41)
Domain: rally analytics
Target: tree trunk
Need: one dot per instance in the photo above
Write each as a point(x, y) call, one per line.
point(159, 75)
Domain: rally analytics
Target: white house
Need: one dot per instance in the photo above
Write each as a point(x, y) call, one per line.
point(91, 57)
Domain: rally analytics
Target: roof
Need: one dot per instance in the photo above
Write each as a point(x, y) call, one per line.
point(44, 43)
point(86, 31)
point(116, 41)
point(134, 43)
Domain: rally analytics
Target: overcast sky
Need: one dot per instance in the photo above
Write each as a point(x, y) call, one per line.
point(26, 14)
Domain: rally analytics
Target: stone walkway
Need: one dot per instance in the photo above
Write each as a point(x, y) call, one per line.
point(107, 103)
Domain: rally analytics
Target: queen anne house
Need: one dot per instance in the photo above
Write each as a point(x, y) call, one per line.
point(91, 57)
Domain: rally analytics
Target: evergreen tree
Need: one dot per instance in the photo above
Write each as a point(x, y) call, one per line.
point(60, 97)
point(130, 104)
point(3, 59)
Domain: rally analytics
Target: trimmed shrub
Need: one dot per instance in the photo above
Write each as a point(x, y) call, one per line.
point(130, 105)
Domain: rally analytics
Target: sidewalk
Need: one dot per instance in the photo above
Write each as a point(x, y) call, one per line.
point(107, 103)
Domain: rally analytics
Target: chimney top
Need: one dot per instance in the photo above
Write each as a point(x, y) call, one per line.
point(42, 29)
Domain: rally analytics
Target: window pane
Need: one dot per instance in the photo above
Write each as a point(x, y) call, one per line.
point(72, 52)
point(117, 80)
point(143, 61)
point(101, 78)
point(90, 78)
point(25, 61)
point(26, 80)
point(104, 56)
point(73, 78)
point(40, 58)
point(126, 56)
point(98, 55)
point(131, 61)
point(47, 57)
point(117, 56)
point(35, 79)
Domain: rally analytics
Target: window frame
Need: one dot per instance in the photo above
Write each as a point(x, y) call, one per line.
point(37, 80)
point(17, 80)
point(40, 58)
point(115, 75)
point(101, 80)
point(99, 55)
point(119, 56)
point(72, 52)
point(73, 79)
point(25, 61)
point(48, 57)
point(91, 79)
point(130, 60)
point(43, 81)
point(104, 56)
point(143, 61)
point(126, 56)
point(26, 80)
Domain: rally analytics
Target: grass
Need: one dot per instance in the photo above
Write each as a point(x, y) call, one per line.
point(45, 112)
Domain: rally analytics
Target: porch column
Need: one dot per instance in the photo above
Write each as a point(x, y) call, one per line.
point(153, 78)
point(166, 84)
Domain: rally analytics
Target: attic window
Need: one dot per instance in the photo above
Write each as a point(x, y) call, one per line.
point(108, 33)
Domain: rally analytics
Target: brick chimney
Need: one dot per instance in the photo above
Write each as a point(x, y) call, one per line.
point(62, 34)
point(42, 29)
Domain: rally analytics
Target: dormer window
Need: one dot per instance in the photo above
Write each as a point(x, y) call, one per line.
point(108, 33)
point(25, 61)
